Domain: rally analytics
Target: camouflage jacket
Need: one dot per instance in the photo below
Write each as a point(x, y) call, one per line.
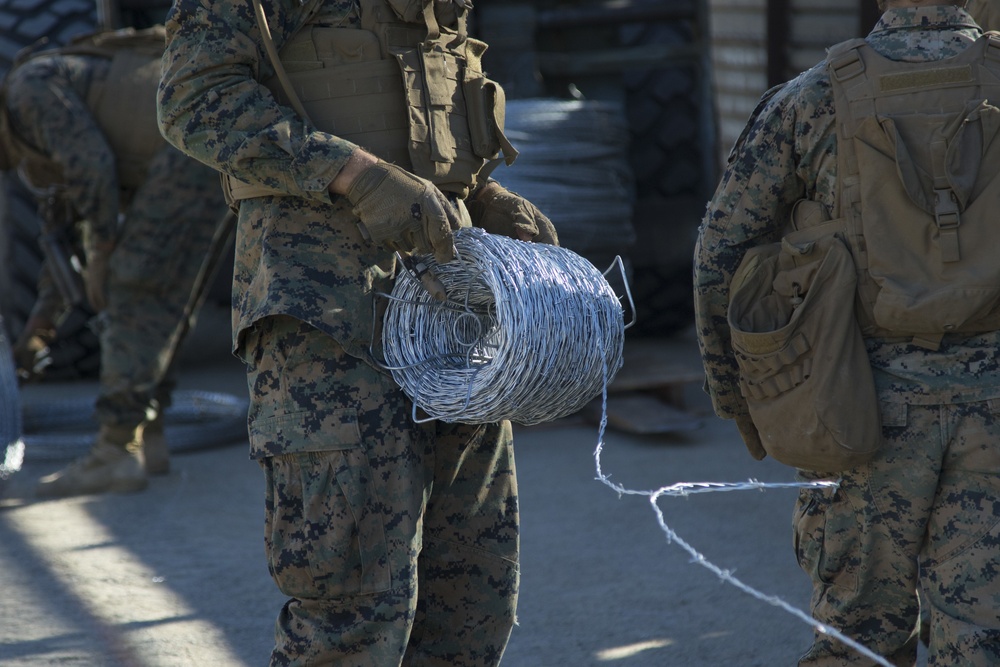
point(299, 255)
point(788, 151)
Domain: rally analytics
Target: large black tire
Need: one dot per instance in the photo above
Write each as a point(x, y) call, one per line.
point(667, 158)
point(26, 21)
point(75, 352)
point(667, 104)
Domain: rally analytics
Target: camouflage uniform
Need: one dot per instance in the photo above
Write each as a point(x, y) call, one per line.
point(166, 229)
point(396, 542)
point(926, 512)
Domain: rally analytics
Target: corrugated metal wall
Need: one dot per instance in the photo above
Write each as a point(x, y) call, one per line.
point(740, 49)
point(739, 63)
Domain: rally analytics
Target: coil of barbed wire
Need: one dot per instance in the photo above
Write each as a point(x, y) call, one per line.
point(530, 333)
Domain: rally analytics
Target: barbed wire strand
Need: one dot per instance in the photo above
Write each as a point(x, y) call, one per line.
point(687, 488)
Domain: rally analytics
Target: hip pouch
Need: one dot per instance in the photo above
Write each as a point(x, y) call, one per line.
point(804, 369)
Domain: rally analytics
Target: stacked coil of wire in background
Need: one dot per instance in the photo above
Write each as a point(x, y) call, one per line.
point(530, 333)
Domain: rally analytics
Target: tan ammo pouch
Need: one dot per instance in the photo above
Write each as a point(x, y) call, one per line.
point(487, 104)
point(420, 102)
point(804, 370)
point(456, 113)
point(456, 124)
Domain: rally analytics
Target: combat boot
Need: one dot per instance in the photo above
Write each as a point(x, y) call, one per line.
point(114, 463)
point(154, 447)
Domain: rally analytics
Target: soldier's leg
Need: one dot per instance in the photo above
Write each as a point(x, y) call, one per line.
point(171, 224)
point(860, 543)
point(468, 568)
point(961, 568)
point(346, 475)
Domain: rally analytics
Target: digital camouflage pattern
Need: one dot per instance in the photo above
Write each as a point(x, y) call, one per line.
point(363, 503)
point(925, 511)
point(161, 242)
point(300, 255)
point(173, 222)
point(865, 587)
point(395, 542)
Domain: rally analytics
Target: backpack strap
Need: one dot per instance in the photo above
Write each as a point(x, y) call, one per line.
point(849, 79)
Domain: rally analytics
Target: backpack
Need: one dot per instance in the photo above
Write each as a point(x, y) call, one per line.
point(918, 167)
point(910, 251)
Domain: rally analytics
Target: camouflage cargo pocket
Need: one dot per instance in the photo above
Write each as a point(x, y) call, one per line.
point(323, 530)
point(827, 536)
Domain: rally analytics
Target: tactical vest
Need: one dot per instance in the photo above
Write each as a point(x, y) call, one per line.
point(403, 87)
point(123, 103)
point(919, 193)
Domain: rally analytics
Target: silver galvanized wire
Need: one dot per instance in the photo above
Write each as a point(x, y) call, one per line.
point(530, 333)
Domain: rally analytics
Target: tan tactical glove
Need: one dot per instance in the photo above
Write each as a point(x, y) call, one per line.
point(500, 211)
point(404, 212)
point(95, 275)
point(751, 438)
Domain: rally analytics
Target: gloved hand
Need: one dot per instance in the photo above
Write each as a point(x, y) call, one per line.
point(36, 335)
point(95, 275)
point(404, 212)
point(751, 438)
point(500, 211)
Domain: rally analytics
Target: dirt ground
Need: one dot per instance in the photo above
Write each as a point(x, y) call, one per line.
point(175, 576)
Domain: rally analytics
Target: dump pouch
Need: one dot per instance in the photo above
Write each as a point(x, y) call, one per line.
point(804, 369)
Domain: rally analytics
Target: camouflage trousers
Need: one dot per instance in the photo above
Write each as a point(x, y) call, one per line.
point(396, 542)
point(924, 516)
point(168, 231)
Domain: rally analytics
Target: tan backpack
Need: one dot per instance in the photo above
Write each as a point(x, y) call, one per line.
point(919, 189)
point(909, 252)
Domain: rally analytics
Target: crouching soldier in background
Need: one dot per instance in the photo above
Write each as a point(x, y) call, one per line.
point(81, 130)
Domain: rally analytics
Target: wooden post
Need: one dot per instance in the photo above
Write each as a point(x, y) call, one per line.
point(777, 41)
point(868, 14)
